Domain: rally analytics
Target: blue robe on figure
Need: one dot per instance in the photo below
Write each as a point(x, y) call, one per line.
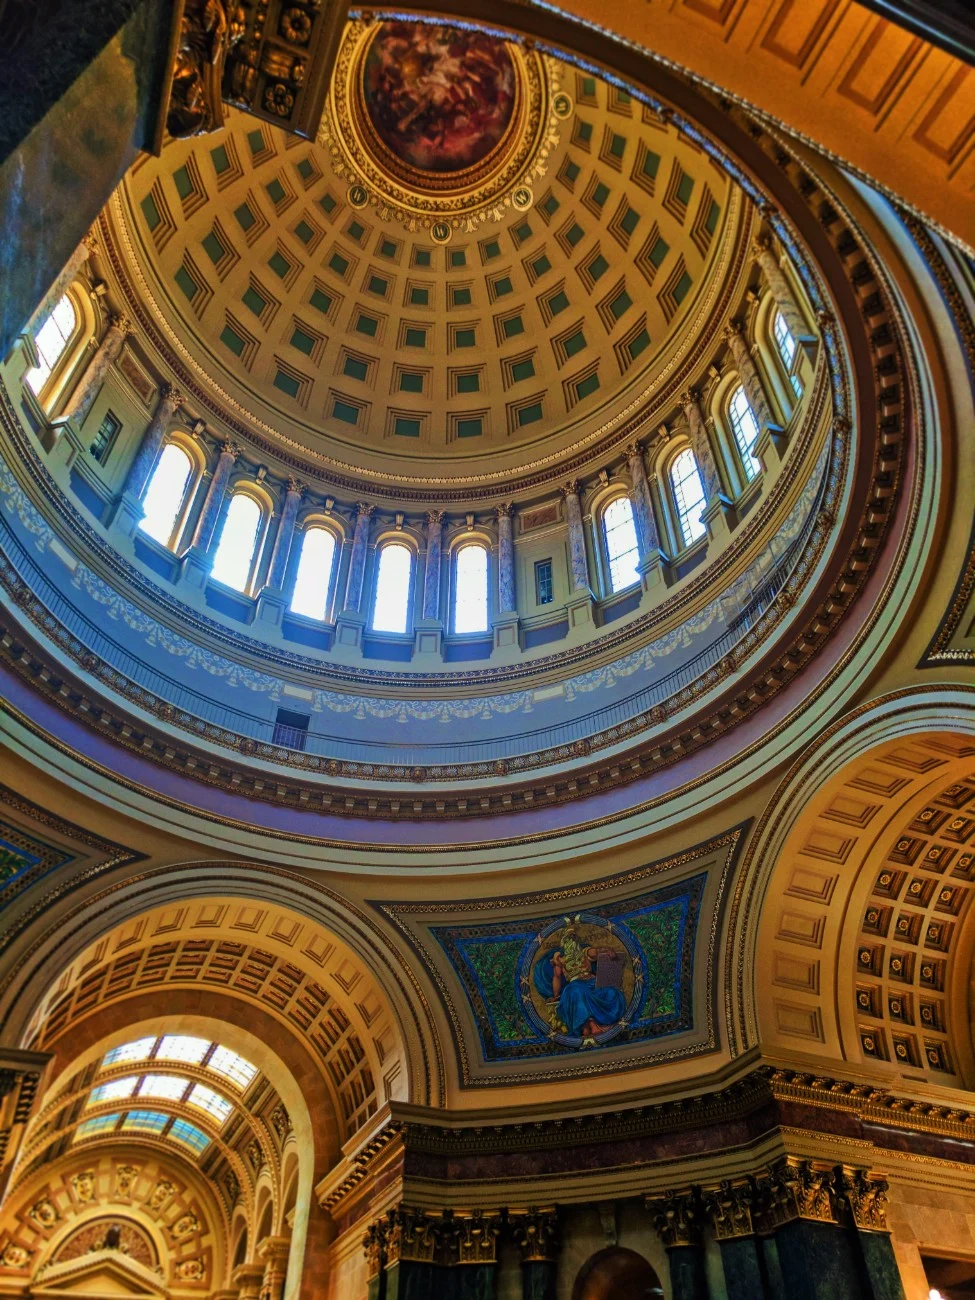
point(579, 999)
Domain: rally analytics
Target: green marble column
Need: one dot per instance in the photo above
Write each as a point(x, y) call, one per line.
point(536, 1234)
point(743, 1273)
point(865, 1198)
point(729, 1207)
point(688, 1278)
point(679, 1219)
point(820, 1262)
point(538, 1279)
point(468, 1282)
point(409, 1279)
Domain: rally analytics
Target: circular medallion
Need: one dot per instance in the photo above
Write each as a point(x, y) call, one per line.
point(439, 98)
point(562, 105)
point(358, 196)
point(581, 981)
point(438, 122)
point(440, 232)
point(522, 198)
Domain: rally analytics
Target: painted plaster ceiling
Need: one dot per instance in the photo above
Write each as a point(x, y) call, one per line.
point(440, 310)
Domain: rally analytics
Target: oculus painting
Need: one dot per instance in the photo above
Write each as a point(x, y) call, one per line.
point(439, 98)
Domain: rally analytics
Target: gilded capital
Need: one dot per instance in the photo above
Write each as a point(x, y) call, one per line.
point(364, 511)
point(535, 1232)
point(505, 510)
point(295, 486)
point(231, 449)
point(864, 1196)
point(729, 1207)
point(678, 1218)
point(570, 489)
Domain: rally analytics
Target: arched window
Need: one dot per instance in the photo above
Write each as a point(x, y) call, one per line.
point(471, 589)
point(314, 577)
point(235, 553)
point(688, 495)
point(745, 428)
point(392, 605)
point(51, 340)
point(622, 549)
point(165, 493)
point(786, 345)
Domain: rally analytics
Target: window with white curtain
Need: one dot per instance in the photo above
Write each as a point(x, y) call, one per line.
point(165, 493)
point(234, 559)
point(685, 480)
point(392, 604)
point(51, 340)
point(622, 548)
point(471, 589)
point(787, 349)
point(745, 428)
point(314, 577)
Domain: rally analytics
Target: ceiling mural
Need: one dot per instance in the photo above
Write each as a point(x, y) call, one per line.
point(579, 981)
point(439, 98)
point(608, 975)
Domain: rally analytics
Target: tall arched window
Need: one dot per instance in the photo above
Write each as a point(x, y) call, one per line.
point(51, 340)
point(314, 576)
point(235, 553)
point(165, 493)
point(745, 428)
point(471, 589)
point(392, 605)
point(786, 345)
point(688, 495)
point(622, 549)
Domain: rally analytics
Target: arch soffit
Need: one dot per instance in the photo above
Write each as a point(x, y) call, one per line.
point(811, 865)
point(286, 914)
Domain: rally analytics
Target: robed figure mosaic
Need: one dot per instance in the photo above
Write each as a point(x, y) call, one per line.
point(581, 980)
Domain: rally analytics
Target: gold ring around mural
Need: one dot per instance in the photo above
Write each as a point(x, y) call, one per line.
point(471, 190)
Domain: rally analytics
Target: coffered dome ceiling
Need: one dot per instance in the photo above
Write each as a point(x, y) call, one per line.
point(477, 268)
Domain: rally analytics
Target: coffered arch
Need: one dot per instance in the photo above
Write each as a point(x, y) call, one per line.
point(859, 952)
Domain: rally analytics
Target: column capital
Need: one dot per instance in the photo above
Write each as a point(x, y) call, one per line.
point(435, 517)
point(505, 510)
point(469, 1238)
point(536, 1233)
point(762, 243)
point(634, 451)
point(295, 487)
point(729, 1207)
point(678, 1218)
point(410, 1235)
point(690, 397)
point(90, 242)
point(274, 1248)
point(374, 1248)
point(795, 1188)
point(864, 1196)
point(169, 393)
point(572, 488)
point(119, 322)
point(364, 511)
point(231, 449)
point(735, 329)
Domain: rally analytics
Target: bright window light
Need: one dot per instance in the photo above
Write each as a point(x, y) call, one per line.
point(169, 1086)
point(689, 495)
point(144, 1121)
point(745, 428)
point(138, 1050)
point(163, 497)
point(180, 1047)
point(189, 1135)
point(314, 576)
point(235, 553)
point(210, 1101)
point(393, 588)
point(784, 340)
point(619, 529)
point(471, 589)
point(51, 340)
point(112, 1090)
point(232, 1066)
point(100, 1124)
